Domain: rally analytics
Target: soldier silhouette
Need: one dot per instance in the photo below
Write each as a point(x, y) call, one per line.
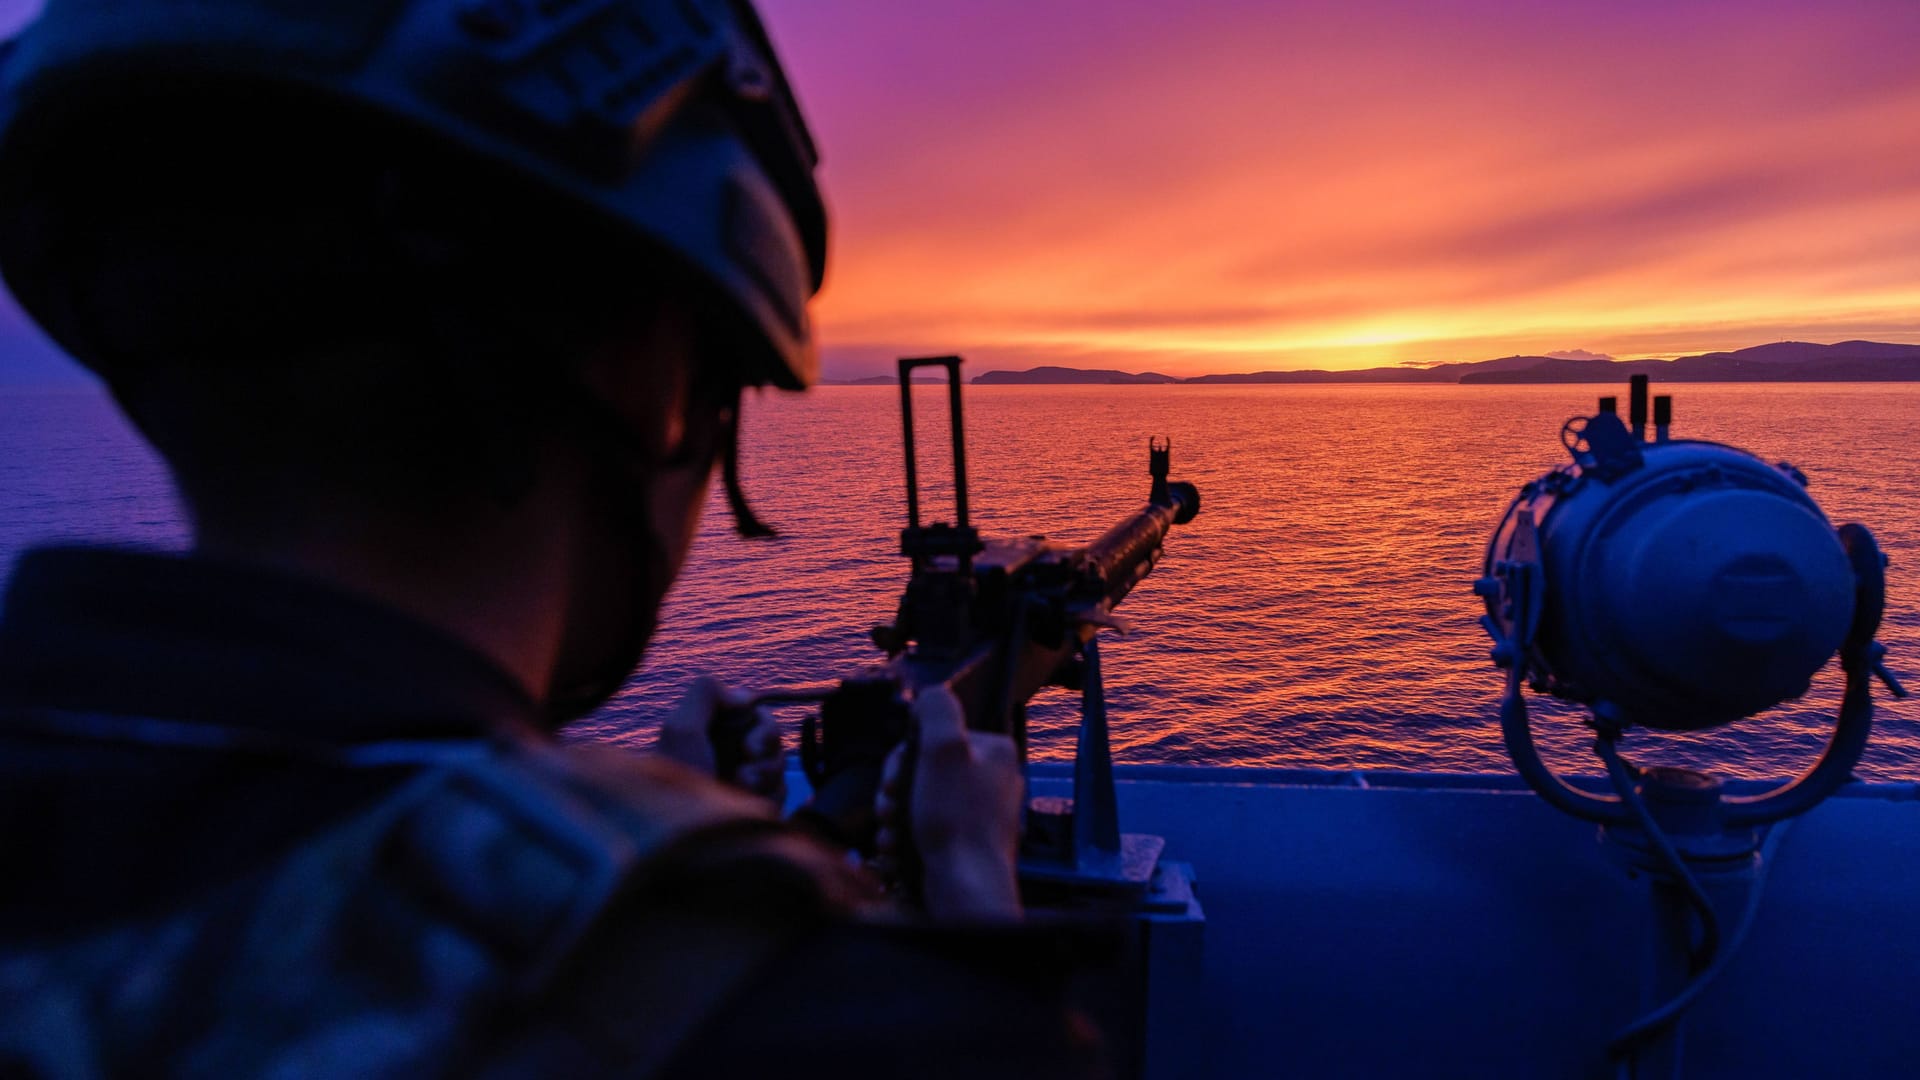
point(440, 314)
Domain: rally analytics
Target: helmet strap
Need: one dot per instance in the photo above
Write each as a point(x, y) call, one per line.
point(746, 523)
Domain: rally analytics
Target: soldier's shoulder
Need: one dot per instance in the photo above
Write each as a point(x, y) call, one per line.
point(719, 889)
point(644, 792)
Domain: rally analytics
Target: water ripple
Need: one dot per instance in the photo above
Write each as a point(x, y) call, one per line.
point(1317, 614)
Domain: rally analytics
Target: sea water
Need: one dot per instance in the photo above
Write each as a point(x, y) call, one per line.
point(1317, 614)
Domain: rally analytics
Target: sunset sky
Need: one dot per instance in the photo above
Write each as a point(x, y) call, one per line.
point(1231, 185)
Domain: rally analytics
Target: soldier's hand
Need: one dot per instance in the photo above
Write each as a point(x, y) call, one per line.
point(966, 797)
point(712, 716)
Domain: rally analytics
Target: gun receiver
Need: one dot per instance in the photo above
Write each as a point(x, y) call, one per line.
point(994, 622)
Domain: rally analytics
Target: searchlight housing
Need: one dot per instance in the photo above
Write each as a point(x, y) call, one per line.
point(1678, 585)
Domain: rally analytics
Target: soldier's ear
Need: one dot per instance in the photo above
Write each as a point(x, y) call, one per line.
point(641, 372)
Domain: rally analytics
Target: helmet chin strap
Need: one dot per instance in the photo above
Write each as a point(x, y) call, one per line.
point(746, 523)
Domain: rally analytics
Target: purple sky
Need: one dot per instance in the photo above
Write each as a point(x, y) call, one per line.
point(1240, 184)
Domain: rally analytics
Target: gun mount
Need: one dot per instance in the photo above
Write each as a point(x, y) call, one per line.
point(996, 622)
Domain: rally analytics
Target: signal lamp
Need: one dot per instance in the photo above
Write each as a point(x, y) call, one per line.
point(1679, 585)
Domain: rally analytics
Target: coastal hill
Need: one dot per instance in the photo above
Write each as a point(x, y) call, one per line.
point(1438, 373)
point(1782, 361)
point(1060, 376)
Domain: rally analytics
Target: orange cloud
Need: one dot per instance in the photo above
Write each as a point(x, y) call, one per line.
point(1233, 185)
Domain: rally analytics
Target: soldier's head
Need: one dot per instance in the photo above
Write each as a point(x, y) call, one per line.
point(384, 268)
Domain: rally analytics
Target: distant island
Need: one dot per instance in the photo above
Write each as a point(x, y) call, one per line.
point(1056, 376)
point(1782, 361)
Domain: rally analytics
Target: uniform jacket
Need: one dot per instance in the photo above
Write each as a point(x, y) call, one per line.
point(257, 826)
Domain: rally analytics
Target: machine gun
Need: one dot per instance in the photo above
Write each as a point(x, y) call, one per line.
point(994, 622)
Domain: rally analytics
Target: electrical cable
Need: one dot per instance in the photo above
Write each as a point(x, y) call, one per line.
point(1652, 1022)
point(1718, 956)
point(1623, 783)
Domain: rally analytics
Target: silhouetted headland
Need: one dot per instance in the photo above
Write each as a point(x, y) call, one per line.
point(1067, 375)
point(1782, 361)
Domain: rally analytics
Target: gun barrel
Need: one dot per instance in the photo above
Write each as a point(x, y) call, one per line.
point(1127, 552)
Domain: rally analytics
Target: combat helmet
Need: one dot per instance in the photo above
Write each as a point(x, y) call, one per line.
point(669, 119)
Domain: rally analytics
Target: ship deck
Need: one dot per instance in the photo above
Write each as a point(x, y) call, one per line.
point(1369, 923)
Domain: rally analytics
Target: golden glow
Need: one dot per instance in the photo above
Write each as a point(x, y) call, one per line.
point(1250, 186)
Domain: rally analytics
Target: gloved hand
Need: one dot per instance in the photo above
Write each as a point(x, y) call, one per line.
point(966, 796)
point(710, 716)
